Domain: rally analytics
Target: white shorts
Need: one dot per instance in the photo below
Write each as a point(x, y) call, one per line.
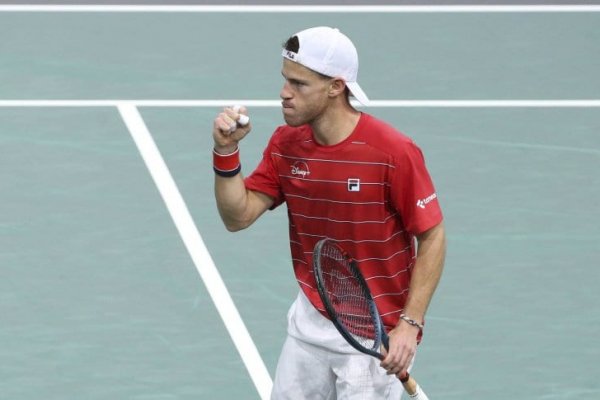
point(317, 363)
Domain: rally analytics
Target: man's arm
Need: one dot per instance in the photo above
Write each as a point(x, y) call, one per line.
point(427, 272)
point(238, 207)
point(426, 275)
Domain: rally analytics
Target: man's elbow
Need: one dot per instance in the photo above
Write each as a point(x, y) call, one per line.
point(236, 225)
point(245, 212)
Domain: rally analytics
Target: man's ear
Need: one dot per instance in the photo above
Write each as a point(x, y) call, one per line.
point(336, 87)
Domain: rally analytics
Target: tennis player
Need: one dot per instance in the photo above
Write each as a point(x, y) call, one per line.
point(351, 177)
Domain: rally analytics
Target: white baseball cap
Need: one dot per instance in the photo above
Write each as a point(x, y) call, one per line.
point(329, 52)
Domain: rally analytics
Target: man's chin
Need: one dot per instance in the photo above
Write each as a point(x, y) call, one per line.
point(292, 122)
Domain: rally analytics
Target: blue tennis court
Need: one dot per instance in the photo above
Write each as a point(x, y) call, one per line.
point(105, 290)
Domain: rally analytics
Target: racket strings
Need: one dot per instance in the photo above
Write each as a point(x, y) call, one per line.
point(347, 296)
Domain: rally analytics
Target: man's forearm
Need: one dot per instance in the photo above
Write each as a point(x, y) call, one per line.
point(231, 197)
point(427, 272)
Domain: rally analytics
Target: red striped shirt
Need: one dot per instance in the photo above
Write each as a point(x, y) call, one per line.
point(372, 193)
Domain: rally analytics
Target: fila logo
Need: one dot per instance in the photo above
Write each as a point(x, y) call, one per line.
point(423, 202)
point(353, 185)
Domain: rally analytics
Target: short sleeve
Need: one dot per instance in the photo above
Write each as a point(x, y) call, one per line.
point(265, 178)
point(413, 192)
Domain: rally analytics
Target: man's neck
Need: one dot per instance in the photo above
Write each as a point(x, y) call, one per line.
point(335, 125)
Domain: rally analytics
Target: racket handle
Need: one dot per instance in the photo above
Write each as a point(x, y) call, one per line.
point(413, 389)
point(410, 385)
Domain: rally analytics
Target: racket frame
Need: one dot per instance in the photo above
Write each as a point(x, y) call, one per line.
point(381, 337)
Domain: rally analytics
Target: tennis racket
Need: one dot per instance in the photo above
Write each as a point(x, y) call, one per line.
point(349, 304)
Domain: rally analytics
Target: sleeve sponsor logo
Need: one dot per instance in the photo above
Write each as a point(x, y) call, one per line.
point(422, 203)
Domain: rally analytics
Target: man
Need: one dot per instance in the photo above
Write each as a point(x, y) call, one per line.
point(345, 175)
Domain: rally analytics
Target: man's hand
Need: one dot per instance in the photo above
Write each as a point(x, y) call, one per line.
point(403, 346)
point(229, 129)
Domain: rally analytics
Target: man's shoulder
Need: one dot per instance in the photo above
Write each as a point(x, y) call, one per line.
point(384, 136)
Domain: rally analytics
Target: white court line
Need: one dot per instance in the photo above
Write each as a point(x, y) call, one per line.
point(197, 249)
point(300, 8)
point(579, 103)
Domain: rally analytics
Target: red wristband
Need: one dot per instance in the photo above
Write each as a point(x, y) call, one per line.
point(227, 165)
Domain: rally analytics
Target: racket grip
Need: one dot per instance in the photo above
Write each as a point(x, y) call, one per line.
point(413, 389)
point(410, 385)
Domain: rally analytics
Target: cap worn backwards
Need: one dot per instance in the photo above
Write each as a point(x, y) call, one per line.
point(329, 52)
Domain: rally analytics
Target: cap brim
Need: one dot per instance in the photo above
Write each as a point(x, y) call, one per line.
point(358, 93)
